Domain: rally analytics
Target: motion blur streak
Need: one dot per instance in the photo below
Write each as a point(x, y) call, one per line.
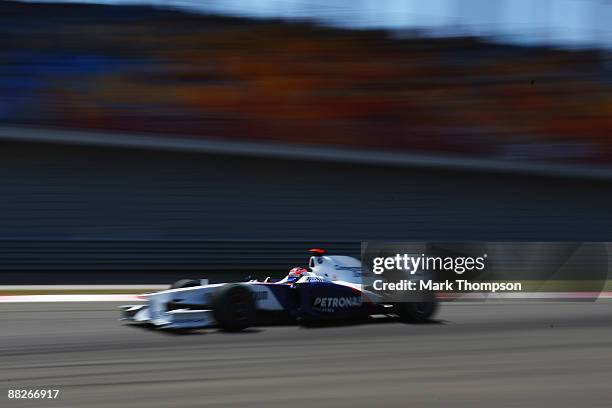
point(140, 68)
point(486, 355)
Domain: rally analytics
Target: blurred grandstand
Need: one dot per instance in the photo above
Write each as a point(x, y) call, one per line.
point(149, 70)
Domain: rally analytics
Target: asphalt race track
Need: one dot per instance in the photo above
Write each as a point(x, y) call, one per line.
point(520, 355)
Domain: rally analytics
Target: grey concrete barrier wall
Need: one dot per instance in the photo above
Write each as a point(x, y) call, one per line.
point(208, 256)
point(67, 206)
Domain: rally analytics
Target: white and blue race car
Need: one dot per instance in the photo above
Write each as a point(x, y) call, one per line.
point(331, 289)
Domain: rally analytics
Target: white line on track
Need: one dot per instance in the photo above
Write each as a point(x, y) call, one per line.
point(142, 287)
point(70, 298)
point(526, 295)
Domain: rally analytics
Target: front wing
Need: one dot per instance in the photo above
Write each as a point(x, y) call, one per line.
point(171, 320)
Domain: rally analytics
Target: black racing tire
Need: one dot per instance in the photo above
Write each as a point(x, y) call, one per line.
point(184, 283)
point(234, 307)
point(416, 312)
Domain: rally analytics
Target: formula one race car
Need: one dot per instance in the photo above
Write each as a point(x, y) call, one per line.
point(331, 289)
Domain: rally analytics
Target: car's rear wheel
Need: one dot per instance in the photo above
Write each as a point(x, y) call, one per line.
point(416, 312)
point(184, 283)
point(234, 307)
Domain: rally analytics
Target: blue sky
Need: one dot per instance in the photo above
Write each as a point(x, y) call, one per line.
point(563, 22)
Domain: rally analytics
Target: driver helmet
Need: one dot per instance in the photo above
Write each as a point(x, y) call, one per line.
point(297, 272)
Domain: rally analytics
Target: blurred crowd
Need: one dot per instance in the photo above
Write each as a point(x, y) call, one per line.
point(149, 70)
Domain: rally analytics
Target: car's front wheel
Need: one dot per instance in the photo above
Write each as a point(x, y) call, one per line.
point(234, 307)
